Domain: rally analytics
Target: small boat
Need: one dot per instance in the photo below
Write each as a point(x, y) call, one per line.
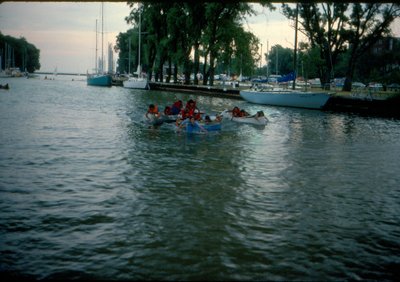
point(5, 86)
point(286, 98)
point(258, 119)
point(136, 83)
point(213, 125)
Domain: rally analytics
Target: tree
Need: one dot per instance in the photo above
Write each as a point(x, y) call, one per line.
point(336, 27)
point(368, 23)
point(280, 60)
point(20, 52)
point(324, 26)
point(180, 33)
point(122, 47)
point(222, 20)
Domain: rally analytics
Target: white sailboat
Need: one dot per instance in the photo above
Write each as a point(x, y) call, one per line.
point(287, 97)
point(99, 78)
point(138, 81)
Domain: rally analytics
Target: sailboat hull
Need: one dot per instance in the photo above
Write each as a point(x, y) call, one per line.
point(287, 98)
point(99, 80)
point(136, 83)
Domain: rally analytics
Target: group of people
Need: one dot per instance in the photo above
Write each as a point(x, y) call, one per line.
point(237, 112)
point(188, 116)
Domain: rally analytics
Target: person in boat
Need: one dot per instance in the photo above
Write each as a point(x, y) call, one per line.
point(190, 107)
point(259, 114)
point(197, 114)
point(191, 125)
point(183, 114)
point(235, 112)
point(243, 113)
point(167, 111)
point(153, 110)
point(207, 119)
point(218, 118)
point(176, 107)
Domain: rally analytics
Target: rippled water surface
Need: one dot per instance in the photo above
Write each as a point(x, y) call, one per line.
point(87, 190)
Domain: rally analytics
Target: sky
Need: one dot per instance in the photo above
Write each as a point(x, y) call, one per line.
point(64, 32)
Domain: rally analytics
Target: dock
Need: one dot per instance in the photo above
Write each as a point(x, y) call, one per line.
point(383, 104)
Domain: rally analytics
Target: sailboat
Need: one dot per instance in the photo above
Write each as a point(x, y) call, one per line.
point(99, 78)
point(287, 97)
point(138, 81)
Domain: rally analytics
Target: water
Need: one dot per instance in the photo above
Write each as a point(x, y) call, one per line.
point(87, 190)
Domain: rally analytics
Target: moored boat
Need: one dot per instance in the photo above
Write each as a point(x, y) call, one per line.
point(136, 82)
point(140, 81)
point(287, 98)
point(99, 80)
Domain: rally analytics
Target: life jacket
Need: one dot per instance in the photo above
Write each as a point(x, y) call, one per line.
point(184, 114)
point(242, 113)
point(167, 110)
point(236, 112)
point(197, 115)
point(176, 107)
point(154, 110)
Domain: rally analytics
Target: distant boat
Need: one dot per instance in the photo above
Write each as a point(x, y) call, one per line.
point(138, 82)
point(287, 97)
point(5, 86)
point(99, 78)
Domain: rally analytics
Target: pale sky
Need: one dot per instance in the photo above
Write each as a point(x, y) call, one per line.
point(65, 31)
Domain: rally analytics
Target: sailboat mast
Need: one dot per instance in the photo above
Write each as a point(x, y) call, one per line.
point(140, 35)
point(295, 46)
point(95, 57)
point(129, 59)
point(102, 35)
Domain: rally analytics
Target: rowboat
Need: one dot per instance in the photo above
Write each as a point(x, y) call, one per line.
point(257, 119)
point(286, 98)
point(212, 125)
point(215, 126)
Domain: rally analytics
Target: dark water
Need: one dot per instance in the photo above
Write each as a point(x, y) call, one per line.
point(87, 190)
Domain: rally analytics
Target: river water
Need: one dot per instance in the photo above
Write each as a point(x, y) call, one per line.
point(88, 190)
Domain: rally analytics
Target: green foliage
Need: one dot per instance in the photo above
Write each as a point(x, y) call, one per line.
point(208, 37)
point(179, 34)
point(22, 53)
point(280, 60)
point(343, 33)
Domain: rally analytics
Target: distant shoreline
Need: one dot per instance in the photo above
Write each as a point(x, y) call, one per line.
point(59, 73)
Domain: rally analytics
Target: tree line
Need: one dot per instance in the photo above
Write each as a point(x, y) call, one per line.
point(189, 37)
point(342, 33)
point(208, 38)
point(18, 53)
